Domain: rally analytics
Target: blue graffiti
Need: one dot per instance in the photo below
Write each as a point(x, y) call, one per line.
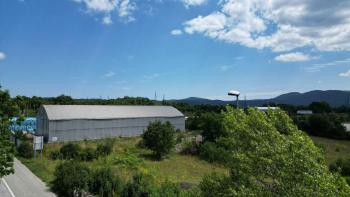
point(28, 125)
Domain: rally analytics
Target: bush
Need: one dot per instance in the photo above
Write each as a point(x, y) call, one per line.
point(105, 148)
point(211, 152)
point(128, 159)
point(169, 189)
point(159, 137)
point(342, 166)
point(70, 151)
point(72, 178)
point(104, 183)
point(139, 186)
point(190, 147)
point(25, 150)
point(56, 154)
point(88, 154)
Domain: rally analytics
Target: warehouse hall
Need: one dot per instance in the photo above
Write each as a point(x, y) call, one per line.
point(78, 122)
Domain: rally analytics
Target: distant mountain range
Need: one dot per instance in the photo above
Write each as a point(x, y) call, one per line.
point(333, 97)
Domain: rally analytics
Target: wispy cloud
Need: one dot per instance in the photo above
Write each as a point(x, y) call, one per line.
point(345, 74)
point(109, 74)
point(293, 57)
point(188, 3)
point(240, 58)
point(124, 9)
point(2, 56)
point(225, 67)
point(176, 32)
point(151, 76)
point(107, 20)
point(318, 67)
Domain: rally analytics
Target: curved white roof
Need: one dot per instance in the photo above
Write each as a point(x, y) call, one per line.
point(67, 112)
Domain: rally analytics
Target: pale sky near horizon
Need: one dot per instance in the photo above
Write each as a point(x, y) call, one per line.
point(178, 48)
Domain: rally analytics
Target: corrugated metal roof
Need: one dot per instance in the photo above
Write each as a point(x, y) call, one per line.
point(67, 112)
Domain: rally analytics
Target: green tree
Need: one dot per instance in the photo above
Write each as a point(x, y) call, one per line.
point(211, 126)
point(320, 107)
point(7, 149)
point(271, 157)
point(72, 178)
point(7, 109)
point(63, 100)
point(159, 137)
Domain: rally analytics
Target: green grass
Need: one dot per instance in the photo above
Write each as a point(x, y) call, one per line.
point(334, 149)
point(175, 167)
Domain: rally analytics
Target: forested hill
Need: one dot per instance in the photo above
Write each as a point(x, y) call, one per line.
point(333, 97)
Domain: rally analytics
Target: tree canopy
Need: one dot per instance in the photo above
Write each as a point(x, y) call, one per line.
point(159, 137)
point(7, 109)
point(269, 156)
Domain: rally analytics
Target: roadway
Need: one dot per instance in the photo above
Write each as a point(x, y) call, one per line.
point(23, 183)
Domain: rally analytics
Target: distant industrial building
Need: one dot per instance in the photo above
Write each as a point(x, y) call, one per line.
point(304, 112)
point(347, 126)
point(79, 122)
point(265, 109)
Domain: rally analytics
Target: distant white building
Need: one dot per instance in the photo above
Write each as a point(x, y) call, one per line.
point(304, 112)
point(265, 109)
point(347, 126)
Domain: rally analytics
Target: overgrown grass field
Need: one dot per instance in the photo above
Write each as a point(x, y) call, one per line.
point(127, 158)
point(333, 149)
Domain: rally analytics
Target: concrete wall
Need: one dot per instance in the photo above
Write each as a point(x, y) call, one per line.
point(75, 130)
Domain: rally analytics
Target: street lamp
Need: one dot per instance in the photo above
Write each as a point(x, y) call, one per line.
point(236, 94)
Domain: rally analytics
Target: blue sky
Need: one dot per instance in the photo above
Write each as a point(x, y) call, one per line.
point(178, 48)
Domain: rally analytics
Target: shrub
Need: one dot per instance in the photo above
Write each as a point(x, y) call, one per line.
point(169, 189)
point(180, 137)
point(70, 151)
point(25, 150)
point(72, 178)
point(104, 183)
point(139, 186)
point(56, 154)
point(159, 137)
point(105, 148)
point(342, 166)
point(211, 152)
point(190, 147)
point(88, 154)
point(128, 159)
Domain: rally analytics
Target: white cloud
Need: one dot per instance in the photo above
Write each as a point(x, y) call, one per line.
point(99, 5)
point(189, 3)
point(123, 8)
point(345, 74)
point(107, 20)
point(109, 74)
point(281, 25)
point(2, 56)
point(126, 9)
point(176, 32)
point(293, 57)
